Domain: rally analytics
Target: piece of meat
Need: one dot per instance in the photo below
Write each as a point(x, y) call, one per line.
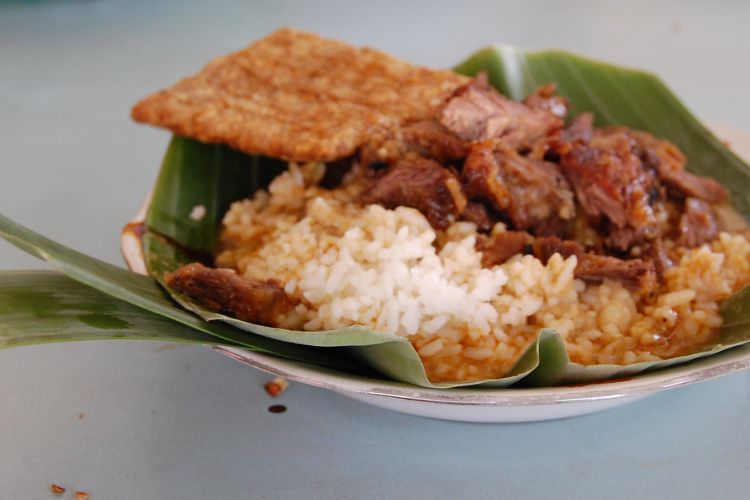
point(483, 178)
point(500, 247)
point(669, 163)
point(431, 140)
point(424, 139)
point(224, 291)
point(635, 274)
point(546, 247)
point(544, 98)
point(479, 215)
point(580, 129)
point(478, 112)
point(697, 224)
point(529, 191)
point(422, 184)
point(655, 252)
point(689, 184)
point(554, 226)
point(554, 146)
point(610, 182)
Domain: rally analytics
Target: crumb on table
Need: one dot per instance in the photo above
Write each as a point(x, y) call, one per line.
point(275, 387)
point(56, 489)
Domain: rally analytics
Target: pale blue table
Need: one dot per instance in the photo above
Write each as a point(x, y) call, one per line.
point(186, 423)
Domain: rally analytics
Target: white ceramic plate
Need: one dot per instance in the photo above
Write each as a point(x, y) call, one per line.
point(486, 405)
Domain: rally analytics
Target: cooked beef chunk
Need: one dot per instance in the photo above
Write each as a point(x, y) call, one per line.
point(636, 274)
point(500, 247)
point(483, 178)
point(610, 182)
point(580, 129)
point(669, 163)
point(544, 98)
point(554, 226)
point(426, 139)
point(335, 172)
point(697, 224)
point(225, 292)
point(655, 252)
point(546, 247)
point(529, 191)
point(690, 184)
point(478, 112)
point(431, 140)
point(479, 215)
point(422, 184)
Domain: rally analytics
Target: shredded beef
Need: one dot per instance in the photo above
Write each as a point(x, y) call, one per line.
point(697, 224)
point(529, 191)
point(544, 98)
point(483, 179)
point(431, 140)
point(546, 247)
point(422, 184)
point(500, 247)
point(610, 182)
point(425, 139)
point(669, 163)
point(478, 112)
point(225, 292)
point(580, 129)
point(636, 274)
point(656, 252)
point(479, 215)
point(690, 184)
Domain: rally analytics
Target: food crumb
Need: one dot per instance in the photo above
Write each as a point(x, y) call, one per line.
point(56, 489)
point(198, 212)
point(275, 387)
point(81, 495)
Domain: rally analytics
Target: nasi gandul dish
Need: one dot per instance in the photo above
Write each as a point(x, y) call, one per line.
point(426, 204)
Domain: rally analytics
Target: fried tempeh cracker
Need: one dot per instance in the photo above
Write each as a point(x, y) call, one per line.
point(298, 97)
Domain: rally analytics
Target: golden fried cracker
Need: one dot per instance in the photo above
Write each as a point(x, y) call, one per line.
point(298, 97)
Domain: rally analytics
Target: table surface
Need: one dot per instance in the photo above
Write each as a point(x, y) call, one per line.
point(126, 420)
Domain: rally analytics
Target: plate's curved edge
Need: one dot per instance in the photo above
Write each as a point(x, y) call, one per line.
point(669, 378)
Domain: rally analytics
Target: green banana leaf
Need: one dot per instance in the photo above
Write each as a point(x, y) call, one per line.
point(199, 174)
point(143, 292)
point(39, 307)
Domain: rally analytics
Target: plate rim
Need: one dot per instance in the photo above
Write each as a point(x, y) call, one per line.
point(731, 361)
